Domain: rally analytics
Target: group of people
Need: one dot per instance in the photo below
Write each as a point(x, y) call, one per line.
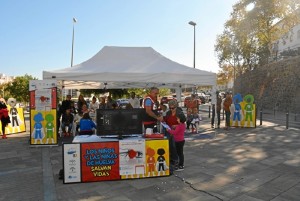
point(217, 104)
point(174, 118)
point(76, 116)
point(83, 116)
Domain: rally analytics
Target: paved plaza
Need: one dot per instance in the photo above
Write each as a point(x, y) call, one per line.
point(241, 164)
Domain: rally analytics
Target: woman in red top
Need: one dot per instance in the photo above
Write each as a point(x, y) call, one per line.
point(4, 117)
point(171, 120)
point(178, 133)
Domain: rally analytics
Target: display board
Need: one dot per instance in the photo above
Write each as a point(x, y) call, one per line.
point(115, 160)
point(243, 111)
point(43, 95)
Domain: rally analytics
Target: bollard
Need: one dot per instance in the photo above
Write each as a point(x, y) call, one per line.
point(209, 111)
point(287, 120)
point(260, 117)
point(223, 114)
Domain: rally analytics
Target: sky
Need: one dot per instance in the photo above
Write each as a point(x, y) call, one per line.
point(36, 35)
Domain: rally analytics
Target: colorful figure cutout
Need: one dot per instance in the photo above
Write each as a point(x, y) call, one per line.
point(38, 130)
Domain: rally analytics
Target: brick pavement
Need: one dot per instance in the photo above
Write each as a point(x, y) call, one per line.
point(250, 164)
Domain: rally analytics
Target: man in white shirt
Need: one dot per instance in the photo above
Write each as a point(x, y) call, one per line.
point(134, 101)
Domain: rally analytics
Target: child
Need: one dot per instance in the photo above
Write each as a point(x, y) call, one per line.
point(67, 121)
point(86, 125)
point(178, 134)
point(193, 119)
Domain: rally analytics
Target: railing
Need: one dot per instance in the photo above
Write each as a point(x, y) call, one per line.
point(289, 119)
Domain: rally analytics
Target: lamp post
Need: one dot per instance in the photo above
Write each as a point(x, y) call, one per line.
point(194, 25)
point(74, 21)
point(194, 64)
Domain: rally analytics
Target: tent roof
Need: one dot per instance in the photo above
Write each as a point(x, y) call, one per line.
point(130, 67)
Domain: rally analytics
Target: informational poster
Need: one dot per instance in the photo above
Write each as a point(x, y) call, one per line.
point(157, 158)
point(43, 99)
point(72, 171)
point(243, 111)
point(132, 158)
point(100, 161)
point(43, 112)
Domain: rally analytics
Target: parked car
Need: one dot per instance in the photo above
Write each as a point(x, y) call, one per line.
point(122, 103)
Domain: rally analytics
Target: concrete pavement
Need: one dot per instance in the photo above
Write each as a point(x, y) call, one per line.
point(241, 164)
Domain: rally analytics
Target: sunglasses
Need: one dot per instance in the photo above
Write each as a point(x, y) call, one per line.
point(172, 108)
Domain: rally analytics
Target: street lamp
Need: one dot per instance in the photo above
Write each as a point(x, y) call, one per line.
point(194, 25)
point(74, 21)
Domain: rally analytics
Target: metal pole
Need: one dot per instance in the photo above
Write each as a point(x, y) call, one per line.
point(209, 111)
point(287, 120)
point(260, 117)
point(72, 45)
point(194, 46)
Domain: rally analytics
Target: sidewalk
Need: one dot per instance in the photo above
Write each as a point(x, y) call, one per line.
point(250, 164)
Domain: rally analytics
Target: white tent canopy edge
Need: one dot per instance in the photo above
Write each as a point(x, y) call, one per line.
point(130, 67)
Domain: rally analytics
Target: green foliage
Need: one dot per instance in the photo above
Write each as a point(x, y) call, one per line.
point(19, 88)
point(248, 35)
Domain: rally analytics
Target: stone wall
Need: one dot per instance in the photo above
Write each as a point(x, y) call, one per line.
point(274, 86)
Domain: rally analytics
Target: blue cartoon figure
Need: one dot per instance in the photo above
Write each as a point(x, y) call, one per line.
point(237, 99)
point(249, 108)
point(161, 164)
point(49, 128)
point(38, 130)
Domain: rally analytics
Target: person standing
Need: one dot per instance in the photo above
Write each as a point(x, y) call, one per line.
point(80, 103)
point(178, 134)
point(134, 101)
point(4, 117)
point(193, 103)
point(216, 108)
point(151, 117)
point(172, 122)
point(226, 105)
point(94, 105)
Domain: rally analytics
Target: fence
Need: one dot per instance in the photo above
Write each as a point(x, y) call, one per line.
point(288, 119)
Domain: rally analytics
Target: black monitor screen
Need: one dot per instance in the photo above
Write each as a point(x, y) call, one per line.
point(120, 121)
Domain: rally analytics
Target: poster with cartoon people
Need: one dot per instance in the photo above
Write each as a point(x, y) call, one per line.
point(243, 111)
point(17, 120)
point(42, 129)
point(43, 95)
point(132, 158)
point(157, 158)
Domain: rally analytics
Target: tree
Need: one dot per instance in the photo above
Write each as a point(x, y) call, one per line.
point(248, 35)
point(19, 88)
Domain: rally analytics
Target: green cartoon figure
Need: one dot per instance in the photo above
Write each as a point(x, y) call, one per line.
point(49, 128)
point(249, 99)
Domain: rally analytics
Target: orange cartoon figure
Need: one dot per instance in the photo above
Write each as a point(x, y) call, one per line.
point(150, 161)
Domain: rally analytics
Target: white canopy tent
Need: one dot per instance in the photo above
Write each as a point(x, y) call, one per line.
point(130, 67)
